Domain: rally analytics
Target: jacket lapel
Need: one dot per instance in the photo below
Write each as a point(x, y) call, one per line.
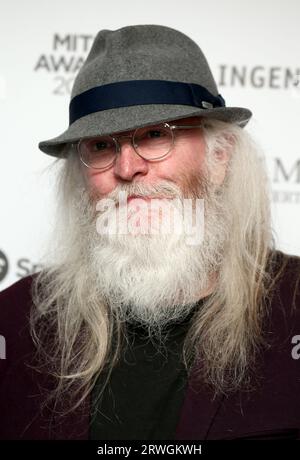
point(198, 411)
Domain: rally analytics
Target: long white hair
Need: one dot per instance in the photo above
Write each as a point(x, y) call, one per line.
point(77, 332)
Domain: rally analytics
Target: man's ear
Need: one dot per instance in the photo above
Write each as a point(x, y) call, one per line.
point(221, 159)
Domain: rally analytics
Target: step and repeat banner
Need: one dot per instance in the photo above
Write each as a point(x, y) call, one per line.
point(253, 49)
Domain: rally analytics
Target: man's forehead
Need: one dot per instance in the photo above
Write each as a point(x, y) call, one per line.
point(181, 121)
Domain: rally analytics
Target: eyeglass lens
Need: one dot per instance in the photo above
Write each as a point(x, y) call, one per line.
point(149, 142)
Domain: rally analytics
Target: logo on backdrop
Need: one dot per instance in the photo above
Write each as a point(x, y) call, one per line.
point(296, 87)
point(242, 76)
point(284, 172)
point(286, 180)
point(21, 268)
point(3, 265)
point(63, 60)
point(67, 53)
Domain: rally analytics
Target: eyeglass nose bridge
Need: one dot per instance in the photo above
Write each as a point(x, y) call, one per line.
point(118, 145)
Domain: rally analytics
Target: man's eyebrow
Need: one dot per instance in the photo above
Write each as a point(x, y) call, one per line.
point(122, 133)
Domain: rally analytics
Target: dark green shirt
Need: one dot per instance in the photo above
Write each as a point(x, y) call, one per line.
point(146, 389)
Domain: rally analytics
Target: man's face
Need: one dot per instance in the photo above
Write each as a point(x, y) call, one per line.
point(152, 277)
point(186, 157)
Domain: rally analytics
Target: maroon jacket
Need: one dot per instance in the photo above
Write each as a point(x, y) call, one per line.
point(271, 411)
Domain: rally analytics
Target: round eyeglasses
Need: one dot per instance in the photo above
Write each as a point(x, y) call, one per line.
point(151, 143)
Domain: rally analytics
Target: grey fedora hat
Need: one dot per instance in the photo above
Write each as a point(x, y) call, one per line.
point(137, 76)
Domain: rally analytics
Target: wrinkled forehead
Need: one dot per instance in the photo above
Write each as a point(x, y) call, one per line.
point(181, 121)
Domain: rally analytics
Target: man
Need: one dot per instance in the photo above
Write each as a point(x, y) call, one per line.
point(134, 332)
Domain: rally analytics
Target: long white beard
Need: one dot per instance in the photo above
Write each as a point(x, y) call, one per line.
point(153, 279)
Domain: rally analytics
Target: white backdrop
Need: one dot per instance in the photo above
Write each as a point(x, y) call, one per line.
point(253, 49)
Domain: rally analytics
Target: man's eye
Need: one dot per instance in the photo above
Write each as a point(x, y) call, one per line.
point(155, 133)
point(100, 145)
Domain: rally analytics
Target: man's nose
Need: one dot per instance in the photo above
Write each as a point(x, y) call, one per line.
point(128, 163)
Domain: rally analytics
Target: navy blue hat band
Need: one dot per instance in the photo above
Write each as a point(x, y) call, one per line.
point(141, 92)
